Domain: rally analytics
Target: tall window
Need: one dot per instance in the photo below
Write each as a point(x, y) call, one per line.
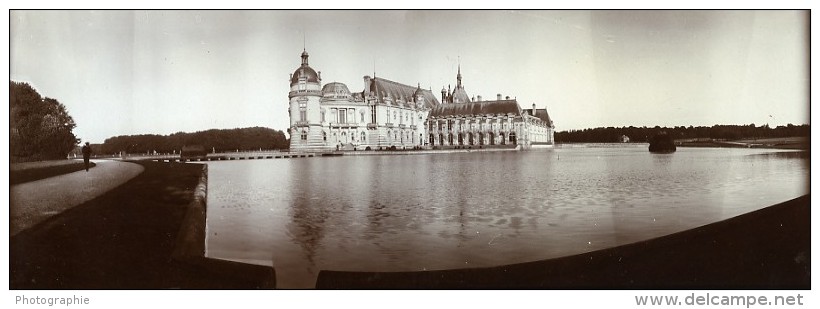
point(323, 116)
point(373, 114)
point(304, 135)
point(342, 115)
point(362, 112)
point(302, 110)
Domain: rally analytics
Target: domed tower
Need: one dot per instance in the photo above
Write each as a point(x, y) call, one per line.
point(336, 92)
point(305, 118)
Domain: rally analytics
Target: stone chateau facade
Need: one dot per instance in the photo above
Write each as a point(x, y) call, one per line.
point(387, 114)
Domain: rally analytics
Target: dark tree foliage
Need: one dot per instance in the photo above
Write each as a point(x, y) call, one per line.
point(219, 140)
point(662, 143)
point(643, 134)
point(40, 128)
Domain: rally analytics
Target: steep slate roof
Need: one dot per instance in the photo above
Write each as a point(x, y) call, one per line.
point(476, 108)
point(460, 95)
point(382, 87)
point(540, 114)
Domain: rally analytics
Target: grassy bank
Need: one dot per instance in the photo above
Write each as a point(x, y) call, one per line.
point(31, 171)
point(123, 239)
point(766, 249)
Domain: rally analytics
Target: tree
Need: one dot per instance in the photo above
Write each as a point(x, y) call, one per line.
point(40, 128)
point(213, 140)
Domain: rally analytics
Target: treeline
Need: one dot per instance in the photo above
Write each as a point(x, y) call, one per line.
point(40, 128)
point(643, 134)
point(220, 140)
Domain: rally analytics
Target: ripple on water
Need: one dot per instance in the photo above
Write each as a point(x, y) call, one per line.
point(436, 211)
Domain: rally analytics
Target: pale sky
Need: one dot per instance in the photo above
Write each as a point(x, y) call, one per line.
point(160, 72)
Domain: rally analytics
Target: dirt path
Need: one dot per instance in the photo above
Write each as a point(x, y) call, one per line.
point(35, 201)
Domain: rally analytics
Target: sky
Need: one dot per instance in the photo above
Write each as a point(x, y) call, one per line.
point(161, 72)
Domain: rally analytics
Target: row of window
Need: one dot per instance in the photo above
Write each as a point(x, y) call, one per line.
point(463, 126)
point(470, 139)
point(343, 115)
point(344, 138)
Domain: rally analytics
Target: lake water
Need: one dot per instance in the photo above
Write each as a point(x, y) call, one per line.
point(443, 211)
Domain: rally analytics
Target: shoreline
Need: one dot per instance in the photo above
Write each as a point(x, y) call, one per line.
point(791, 146)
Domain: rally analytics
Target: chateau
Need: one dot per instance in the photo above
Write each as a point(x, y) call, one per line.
point(391, 115)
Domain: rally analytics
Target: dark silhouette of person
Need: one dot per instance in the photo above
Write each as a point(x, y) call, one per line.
point(86, 154)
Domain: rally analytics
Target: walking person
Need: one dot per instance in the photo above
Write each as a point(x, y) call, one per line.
point(86, 154)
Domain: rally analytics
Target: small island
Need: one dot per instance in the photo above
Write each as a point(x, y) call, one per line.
point(662, 143)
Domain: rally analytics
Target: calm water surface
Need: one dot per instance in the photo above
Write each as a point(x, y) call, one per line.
point(441, 211)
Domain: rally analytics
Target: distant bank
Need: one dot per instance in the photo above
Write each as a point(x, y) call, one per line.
point(773, 143)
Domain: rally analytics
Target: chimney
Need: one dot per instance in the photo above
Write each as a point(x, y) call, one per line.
point(499, 97)
point(367, 89)
point(533, 109)
point(479, 98)
point(320, 75)
point(508, 97)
